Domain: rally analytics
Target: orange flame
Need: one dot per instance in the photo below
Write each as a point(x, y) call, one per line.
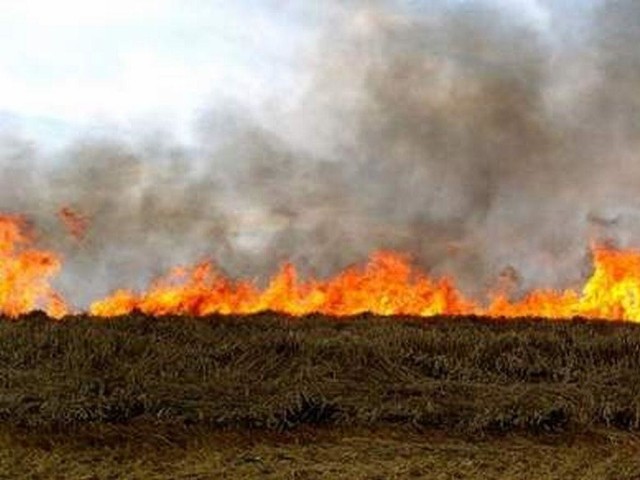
point(25, 273)
point(386, 285)
point(75, 222)
point(612, 292)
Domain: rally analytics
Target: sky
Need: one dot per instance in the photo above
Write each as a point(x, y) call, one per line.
point(69, 64)
point(73, 65)
point(472, 127)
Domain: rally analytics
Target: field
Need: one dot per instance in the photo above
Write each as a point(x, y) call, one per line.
point(269, 396)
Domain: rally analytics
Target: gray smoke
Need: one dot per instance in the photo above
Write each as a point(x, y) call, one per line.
point(467, 135)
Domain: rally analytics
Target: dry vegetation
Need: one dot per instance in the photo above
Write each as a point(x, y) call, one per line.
point(147, 453)
point(278, 397)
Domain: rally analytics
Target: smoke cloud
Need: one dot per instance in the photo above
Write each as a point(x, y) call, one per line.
point(469, 136)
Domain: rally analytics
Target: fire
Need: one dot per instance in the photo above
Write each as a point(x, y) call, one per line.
point(25, 273)
point(75, 222)
point(612, 292)
point(387, 284)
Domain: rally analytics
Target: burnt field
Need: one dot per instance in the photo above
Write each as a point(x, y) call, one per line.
point(269, 372)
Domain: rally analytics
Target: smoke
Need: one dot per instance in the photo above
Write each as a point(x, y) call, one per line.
point(467, 134)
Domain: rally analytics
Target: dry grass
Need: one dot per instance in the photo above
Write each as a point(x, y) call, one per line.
point(334, 454)
point(274, 397)
point(270, 372)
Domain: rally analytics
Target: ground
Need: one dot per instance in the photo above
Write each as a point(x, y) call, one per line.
point(140, 453)
point(270, 396)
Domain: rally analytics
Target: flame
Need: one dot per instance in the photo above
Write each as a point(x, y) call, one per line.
point(75, 222)
point(612, 292)
point(25, 273)
point(387, 284)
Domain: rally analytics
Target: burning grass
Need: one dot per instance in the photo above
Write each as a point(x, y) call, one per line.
point(388, 284)
point(276, 373)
